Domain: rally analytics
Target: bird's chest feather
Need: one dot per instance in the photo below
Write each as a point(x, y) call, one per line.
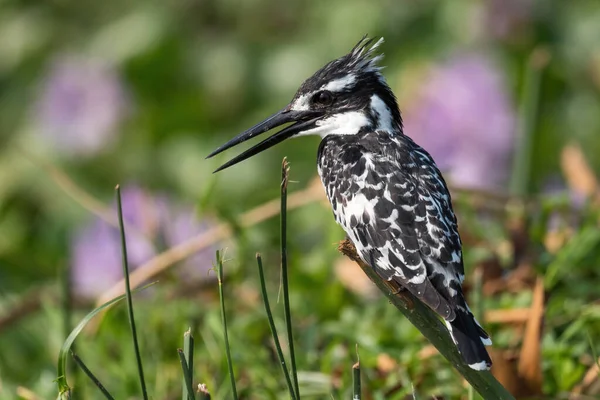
point(356, 174)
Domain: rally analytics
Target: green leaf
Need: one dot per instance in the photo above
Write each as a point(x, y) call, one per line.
point(63, 388)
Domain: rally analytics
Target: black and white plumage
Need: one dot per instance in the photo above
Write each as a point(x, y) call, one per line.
point(385, 191)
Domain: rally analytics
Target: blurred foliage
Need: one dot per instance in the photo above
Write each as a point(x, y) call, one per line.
point(139, 92)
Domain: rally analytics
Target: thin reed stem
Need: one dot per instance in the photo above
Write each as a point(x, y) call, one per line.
point(90, 375)
point(187, 376)
point(274, 329)
point(285, 174)
point(224, 320)
point(188, 351)
point(128, 297)
point(356, 386)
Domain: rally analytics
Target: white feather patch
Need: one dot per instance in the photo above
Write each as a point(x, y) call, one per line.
point(449, 326)
point(384, 113)
point(340, 84)
point(302, 103)
point(480, 366)
point(348, 123)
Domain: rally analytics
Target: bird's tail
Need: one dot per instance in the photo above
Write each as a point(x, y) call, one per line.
point(470, 339)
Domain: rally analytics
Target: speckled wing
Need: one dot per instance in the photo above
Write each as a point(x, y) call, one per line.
point(392, 201)
point(391, 207)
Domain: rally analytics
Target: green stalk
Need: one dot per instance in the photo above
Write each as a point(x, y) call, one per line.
point(428, 323)
point(187, 376)
point(67, 314)
point(64, 390)
point(273, 328)
point(356, 389)
point(224, 320)
point(188, 351)
point(528, 113)
point(67, 297)
point(128, 297)
point(285, 174)
point(90, 375)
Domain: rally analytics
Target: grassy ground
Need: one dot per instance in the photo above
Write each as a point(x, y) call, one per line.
point(541, 314)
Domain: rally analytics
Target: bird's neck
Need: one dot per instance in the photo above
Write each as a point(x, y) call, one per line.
point(382, 115)
point(384, 110)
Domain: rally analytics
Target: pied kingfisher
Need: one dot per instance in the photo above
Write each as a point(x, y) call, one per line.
point(385, 190)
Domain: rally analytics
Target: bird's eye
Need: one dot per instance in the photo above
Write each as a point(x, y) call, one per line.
point(323, 98)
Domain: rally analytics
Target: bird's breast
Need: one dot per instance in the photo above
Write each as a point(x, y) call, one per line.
point(351, 180)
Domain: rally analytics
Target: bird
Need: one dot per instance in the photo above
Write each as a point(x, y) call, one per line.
point(385, 190)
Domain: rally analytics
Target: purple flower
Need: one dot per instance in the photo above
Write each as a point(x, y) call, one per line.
point(464, 118)
point(81, 105)
point(151, 223)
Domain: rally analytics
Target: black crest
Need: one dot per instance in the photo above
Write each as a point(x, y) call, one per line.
point(362, 61)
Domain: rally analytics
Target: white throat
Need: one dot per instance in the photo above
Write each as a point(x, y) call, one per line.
point(352, 122)
point(348, 123)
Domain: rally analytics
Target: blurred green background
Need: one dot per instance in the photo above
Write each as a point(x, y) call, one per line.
point(505, 94)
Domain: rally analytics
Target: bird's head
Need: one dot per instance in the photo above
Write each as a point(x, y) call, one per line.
point(345, 97)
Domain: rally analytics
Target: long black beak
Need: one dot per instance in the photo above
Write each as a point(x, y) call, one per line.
point(304, 120)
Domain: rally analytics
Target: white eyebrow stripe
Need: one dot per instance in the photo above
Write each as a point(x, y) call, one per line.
point(340, 84)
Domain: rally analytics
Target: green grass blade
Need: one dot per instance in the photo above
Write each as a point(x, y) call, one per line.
point(273, 328)
point(581, 245)
point(285, 174)
point(187, 376)
point(188, 351)
point(415, 396)
point(63, 386)
point(528, 113)
point(224, 319)
point(593, 347)
point(67, 298)
point(90, 375)
point(67, 311)
point(356, 384)
point(136, 346)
